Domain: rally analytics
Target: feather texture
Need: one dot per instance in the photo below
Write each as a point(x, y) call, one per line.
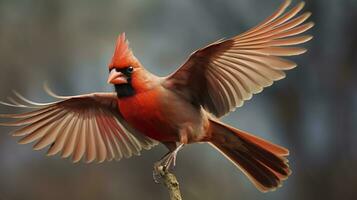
point(85, 127)
point(221, 76)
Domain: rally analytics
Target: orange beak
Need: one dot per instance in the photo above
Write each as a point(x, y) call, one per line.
point(117, 78)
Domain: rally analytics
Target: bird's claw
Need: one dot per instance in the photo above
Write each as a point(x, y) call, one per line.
point(165, 164)
point(161, 167)
point(157, 173)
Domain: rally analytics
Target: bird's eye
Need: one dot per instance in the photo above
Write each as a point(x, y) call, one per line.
point(130, 69)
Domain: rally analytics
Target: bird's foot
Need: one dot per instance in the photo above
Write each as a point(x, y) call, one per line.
point(165, 164)
point(162, 166)
point(157, 173)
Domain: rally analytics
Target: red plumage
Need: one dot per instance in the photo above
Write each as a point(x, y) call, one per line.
point(176, 110)
point(122, 54)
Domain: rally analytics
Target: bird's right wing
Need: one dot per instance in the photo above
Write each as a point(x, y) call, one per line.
point(221, 76)
point(86, 126)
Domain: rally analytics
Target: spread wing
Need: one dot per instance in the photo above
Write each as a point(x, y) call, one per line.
point(221, 76)
point(86, 127)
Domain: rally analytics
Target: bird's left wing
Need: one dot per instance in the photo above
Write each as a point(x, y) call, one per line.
point(221, 76)
point(86, 127)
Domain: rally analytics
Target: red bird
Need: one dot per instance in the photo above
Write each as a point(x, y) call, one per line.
point(176, 110)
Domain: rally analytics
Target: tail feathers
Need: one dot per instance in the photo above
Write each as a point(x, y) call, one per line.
point(278, 150)
point(263, 162)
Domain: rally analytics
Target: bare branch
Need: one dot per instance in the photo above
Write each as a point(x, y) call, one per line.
point(171, 184)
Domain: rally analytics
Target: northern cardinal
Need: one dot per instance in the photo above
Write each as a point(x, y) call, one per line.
point(176, 110)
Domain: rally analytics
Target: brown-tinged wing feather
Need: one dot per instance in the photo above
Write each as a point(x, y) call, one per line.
point(221, 76)
point(88, 127)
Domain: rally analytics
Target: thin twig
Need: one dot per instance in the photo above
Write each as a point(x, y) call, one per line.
point(171, 184)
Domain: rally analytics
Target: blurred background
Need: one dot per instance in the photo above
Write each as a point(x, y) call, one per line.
point(312, 112)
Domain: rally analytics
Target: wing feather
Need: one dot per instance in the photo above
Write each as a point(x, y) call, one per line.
point(275, 15)
point(72, 138)
point(86, 127)
point(81, 140)
point(112, 135)
point(62, 137)
point(40, 131)
point(91, 143)
point(35, 125)
point(49, 138)
point(224, 79)
point(221, 76)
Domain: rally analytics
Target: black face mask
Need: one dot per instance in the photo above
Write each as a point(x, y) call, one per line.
point(125, 90)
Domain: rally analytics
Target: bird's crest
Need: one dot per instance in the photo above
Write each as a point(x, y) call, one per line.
point(123, 55)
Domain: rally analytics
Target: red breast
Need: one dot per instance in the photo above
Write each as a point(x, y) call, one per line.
point(144, 113)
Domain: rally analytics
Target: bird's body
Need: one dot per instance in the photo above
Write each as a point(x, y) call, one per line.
point(149, 108)
point(176, 110)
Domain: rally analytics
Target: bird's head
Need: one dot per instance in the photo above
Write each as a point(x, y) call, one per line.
point(123, 67)
point(123, 64)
